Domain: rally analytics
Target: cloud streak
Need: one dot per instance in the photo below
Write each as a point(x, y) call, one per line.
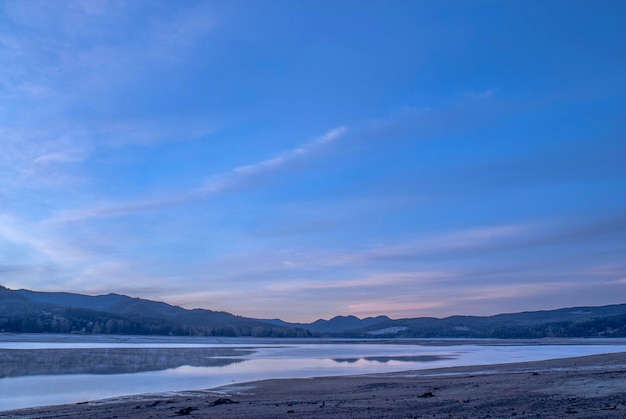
point(218, 183)
point(487, 240)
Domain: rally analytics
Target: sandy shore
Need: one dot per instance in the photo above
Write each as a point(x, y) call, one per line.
point(586, 387)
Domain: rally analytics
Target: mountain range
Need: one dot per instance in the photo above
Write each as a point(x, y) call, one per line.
point(26, 311)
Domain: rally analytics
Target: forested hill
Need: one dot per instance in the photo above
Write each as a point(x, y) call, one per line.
point(25, 311)
point(576, 322)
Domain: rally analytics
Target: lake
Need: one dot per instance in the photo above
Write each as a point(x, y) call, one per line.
point(37, 370)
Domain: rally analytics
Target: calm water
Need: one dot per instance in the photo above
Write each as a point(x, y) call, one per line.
point(40, 370)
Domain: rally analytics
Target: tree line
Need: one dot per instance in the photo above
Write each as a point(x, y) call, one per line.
point(77, 320)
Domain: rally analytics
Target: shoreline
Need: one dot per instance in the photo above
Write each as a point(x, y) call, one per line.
point(589, 386)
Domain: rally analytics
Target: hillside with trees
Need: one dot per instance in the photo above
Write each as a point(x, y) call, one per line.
point(25, 311)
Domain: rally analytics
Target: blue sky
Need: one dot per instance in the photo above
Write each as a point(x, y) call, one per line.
point(314, 158)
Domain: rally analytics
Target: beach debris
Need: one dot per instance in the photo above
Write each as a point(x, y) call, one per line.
point(222, 400)
point(158, 402)
point(185, 411)
point(427, 395)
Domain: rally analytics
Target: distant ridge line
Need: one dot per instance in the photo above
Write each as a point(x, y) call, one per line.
point(26, 311)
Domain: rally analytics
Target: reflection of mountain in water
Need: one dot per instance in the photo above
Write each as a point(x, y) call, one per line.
point(385, 359)
point(18, 362)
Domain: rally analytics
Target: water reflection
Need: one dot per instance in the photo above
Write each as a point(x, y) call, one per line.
point(17, 362)
point(74, 369)
point(385, 359)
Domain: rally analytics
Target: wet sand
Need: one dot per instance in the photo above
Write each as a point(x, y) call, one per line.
point(585, 387)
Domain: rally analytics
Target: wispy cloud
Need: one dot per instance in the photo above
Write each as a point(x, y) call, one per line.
point(66, 66)
point(427, 246)
point(59, 157)
point(215, 184)
point(34, 246)
point(387, 279)
point(479, 241)
point(275, 163)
